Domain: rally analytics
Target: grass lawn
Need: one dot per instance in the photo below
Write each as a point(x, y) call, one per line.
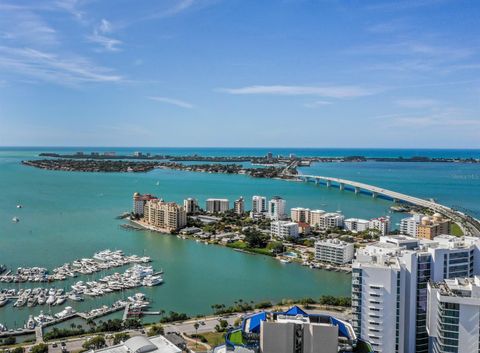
point(244, 246)
point(236, 337)
point(456, 230)
point(214, 338)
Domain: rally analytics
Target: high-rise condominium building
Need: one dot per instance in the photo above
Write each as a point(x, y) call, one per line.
point(315, 216)
point(454, 315)
point(413, 263)
point(382, 224)
point(217, 205)
point(239, 206)
point(330, 220)
point(259, 204)
point(408, 226)
point(430, 227)
point(190, 205)
point(139, 201)
point(355, 224)
point(167, 216)
point(276, 208)
point(300, 215)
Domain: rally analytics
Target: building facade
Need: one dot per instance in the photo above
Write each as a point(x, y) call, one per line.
point(300, 215)
point(190, 205)
point(167, 216)
point(239, 206)
point(139, 201)
point(315, 216)
point(283, 229)
point(381, 224)
point(334, 251)
point(355, 224)
point(276, 208)
point(431, 227)
point(217, 205)
point(259, 204)
point(330, 220)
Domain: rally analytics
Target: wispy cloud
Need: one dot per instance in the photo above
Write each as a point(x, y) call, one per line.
point(51, 67)
point(322, 91)
point(172, 101)
point(99, 36)
point(417, 103)
point(316, 104)
point(435, 121)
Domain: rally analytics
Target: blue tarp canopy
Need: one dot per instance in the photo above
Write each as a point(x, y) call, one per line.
point(294, 311)
point(254, 322)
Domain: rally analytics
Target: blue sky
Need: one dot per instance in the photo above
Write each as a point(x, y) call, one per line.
point(298, 73)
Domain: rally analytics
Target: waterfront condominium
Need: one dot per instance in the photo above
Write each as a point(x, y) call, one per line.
point(239, 206)
point(276, 208)
point(382, 225)
point(334, 251)
point(167, 216)
point(330, 220)
point(217, 205)
point(259, 204)
point(283, 229)
point(190, 205)
point(139, 201)
point(430, 227)
point(413, 263)
point(355, 224)
point(408, 226)
point(300, 215)
point(315, 216)
point(454, 315)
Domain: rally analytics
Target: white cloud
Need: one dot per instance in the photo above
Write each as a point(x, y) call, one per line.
point(51, 67)
point(172, 101)
point(317, 104)
point(417, 103)
point(98, 36)
point(322, 91)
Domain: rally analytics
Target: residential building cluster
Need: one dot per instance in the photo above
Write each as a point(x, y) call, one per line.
point(418, 295)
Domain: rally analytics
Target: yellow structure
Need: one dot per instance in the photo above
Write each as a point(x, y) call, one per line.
point(430, 227)
point(167, 216)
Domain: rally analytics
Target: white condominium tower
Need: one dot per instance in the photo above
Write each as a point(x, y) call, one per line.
point(276, 208)
point(190, 205)
point(414, 262)
point(259, 204)
point(454, 315)
point(217, 205)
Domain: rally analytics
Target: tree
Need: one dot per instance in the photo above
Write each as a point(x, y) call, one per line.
point(40, 348)
point(96, 342)
point(18, 350)
point(120, 337)
point(256, 239)
point(155, 330)
point(221, 326)
point(196, 325)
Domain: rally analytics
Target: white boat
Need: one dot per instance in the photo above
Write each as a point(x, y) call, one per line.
point(15, 220)
point(75, 297)
point(51, 300)
point(3, 328)
point(30, 325)
point(3, 301)
point(19, 206)
point(151, 281)
point(41, 299)
point(60, 300)
point(285, 261)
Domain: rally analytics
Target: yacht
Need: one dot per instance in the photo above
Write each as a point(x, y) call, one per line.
point(19, 206)
point(3, 300)
point(75, 297)
point(151, 281)
point(30, 325)
point(51, 300)
point(41, 299)
point(3, 328)
point(285, 261)
point(15, 220)
point(60, 300)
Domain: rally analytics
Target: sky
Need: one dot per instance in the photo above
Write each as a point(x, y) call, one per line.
point(221, 73)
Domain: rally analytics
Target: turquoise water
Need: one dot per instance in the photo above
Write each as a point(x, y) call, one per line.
point(71, 215)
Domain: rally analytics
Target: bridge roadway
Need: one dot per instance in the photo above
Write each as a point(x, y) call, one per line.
point(470, 225)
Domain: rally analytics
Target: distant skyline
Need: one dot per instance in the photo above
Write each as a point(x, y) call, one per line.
point(248, 73)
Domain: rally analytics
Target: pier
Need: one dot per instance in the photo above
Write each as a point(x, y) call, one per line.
point(470, 225)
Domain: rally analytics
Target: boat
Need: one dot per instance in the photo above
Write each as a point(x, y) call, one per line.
point(51, 300)
point(3, 328)
point(151, 281)
point(3, 301)
point(15, 220)
point(285, 261)
point(30, 325)
point(60, 300)
point(41, 299)
point(19, 206)
point(75, 297)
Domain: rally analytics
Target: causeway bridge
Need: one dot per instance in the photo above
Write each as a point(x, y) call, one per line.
point(469, 225)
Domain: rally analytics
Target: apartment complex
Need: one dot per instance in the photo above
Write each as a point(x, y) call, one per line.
point(381, 224)
point(167, 216)
point(283, 229)
point(454, 315)
point(300, 215)
point(330, 220)
point(408, 226)
point(217, 205)
point(430, 227)
point(139, 201)
point(315, 216)
point(356, 224)
point(276, 208)
point(334, 251)
point(394, 273)
point(190, 205)
point(259, 204)
point(239, 206)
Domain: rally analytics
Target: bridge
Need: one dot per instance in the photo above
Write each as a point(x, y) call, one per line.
point(469, 225)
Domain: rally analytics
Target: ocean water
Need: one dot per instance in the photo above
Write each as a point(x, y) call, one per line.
point(68, 215)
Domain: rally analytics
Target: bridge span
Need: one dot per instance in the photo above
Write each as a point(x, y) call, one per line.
point(470, 225)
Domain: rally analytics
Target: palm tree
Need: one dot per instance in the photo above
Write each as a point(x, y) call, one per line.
point(196, 325)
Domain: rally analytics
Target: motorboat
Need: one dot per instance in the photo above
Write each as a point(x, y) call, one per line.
point(30, 325)
point(51, 300)
point(15, 219)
